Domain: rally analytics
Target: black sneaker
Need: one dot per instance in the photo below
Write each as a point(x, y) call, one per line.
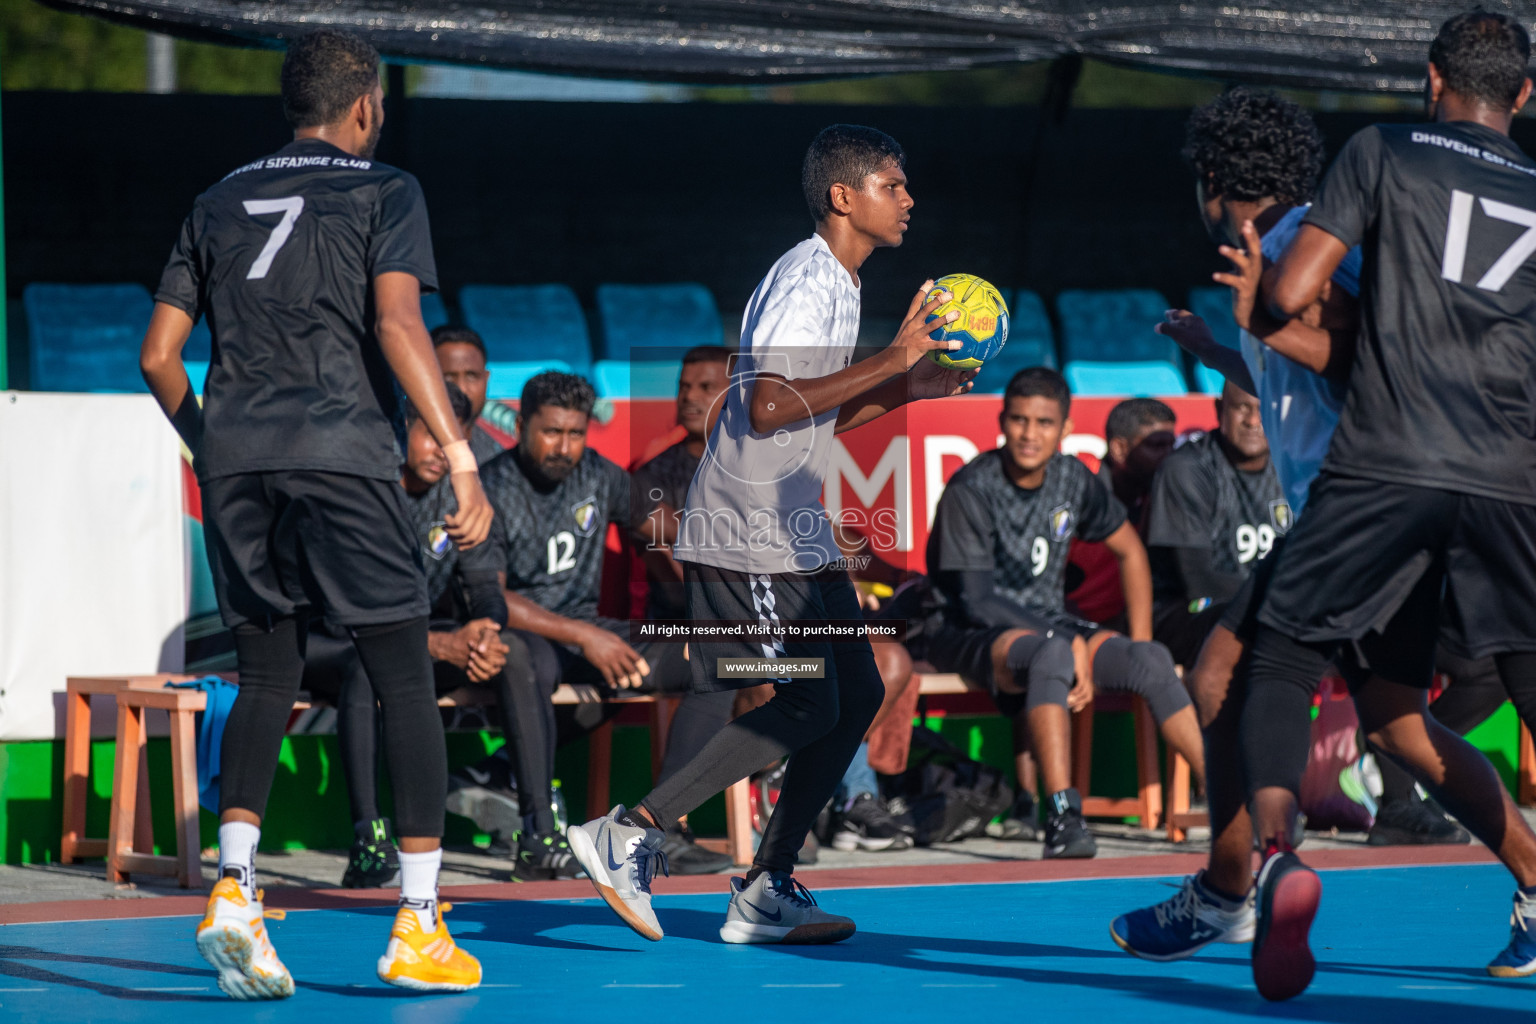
point(1413, 822)
point(1020, 824)
point(486, 794)
point(1286, 898)
point(1066, 833)
point(373, 862)
point(867, 825)
point(686, 857)
point(543, 858)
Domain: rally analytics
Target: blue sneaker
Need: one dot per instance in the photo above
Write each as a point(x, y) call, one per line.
point(1183, 924)
point(1519, 957)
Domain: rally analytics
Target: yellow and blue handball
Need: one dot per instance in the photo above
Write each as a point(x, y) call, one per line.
point(981, 327)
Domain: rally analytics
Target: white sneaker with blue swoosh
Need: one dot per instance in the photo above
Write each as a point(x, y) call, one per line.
point(777, 908)
point(621, 860)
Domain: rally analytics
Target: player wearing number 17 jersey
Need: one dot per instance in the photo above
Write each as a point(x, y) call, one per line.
point(1429, 485)
point(309, 266)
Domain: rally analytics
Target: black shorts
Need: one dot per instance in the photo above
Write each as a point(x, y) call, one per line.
point(1183, 631)
point(1377, 563)
point(773, 599)
point(967, 651)
point(335, 545)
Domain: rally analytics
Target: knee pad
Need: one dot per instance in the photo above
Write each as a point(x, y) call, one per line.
point(1047, 668)
point(1144, 668)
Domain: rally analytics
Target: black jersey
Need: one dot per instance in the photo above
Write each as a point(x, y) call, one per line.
point(985, 522)
point(451, 573)
point(664, 479)
point(1445, 369)
point(280, 257)
point(1200, 500)
point(483, 445)
point(555, 536)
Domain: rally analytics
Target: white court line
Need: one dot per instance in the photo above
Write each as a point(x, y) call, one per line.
point(616, 985)
point(5, 990)
point(1440, 988)
point(484, 985)
point(198, 988)
point(833, 985)
point(958, 986)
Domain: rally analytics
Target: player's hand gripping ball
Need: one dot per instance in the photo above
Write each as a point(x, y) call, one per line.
point(982, 325)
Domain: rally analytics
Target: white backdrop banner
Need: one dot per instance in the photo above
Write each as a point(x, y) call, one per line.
point(93, 565)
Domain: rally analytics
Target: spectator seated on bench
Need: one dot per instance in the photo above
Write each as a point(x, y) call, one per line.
point(997, 554)
point(554, 501)
point(468, 613)
point(461, 354)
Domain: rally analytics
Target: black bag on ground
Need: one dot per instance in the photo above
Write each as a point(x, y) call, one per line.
point(946, 795)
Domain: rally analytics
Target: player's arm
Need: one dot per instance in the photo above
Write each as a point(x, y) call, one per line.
point(1194, 336)
point(1322, 336)
point(974, 593)
point(407, 348)
point(166, 375)
point(1135, 579)
point(622, 666)
point(863, 391)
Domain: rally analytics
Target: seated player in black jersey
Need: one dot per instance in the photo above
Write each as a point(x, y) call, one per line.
point(1216, 508)
point(467, 613)
point(554, 500)
point(997, 555)
point(461, 354)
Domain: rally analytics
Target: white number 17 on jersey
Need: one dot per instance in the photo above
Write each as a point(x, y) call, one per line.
point(290, 207)
point(1459, 226)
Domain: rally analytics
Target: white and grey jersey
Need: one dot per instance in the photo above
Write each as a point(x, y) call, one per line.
point(755, 503)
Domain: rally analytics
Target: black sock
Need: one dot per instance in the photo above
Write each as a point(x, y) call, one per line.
point(1065, 801)
point(1205, 883)
point(634, 819)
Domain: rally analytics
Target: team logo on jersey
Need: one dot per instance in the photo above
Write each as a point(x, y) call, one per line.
point(585, 512)
point(1062, 522)
point(438, 541)
point(1280, 514)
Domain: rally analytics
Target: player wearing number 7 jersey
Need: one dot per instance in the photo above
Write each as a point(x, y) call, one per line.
point(1429, 486)
point(309, 266)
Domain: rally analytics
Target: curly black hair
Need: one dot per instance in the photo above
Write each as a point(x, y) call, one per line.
point(561, 390)
point(1248, 144)
point(1483, 56)
point(844, 154)
point(323, 75)
point(459, 402)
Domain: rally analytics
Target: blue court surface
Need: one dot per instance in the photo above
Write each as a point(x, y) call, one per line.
point(1393, 944)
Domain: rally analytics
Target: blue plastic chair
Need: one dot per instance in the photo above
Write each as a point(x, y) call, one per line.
point(528, 323)
point(86, 337)
point(1031, 342)
point(640, 378)
point(1129, 379)
point(434, 313)
point(1208, 380)
point(1114, 326)
point(507, 378)
point(656, 322)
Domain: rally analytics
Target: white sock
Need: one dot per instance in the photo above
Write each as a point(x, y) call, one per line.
point(237, 854)
point(418, 884)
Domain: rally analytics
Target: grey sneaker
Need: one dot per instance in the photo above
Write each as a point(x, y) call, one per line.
point(777, 908)
point(621, 860)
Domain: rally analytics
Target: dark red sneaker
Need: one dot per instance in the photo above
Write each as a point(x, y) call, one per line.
point(1287, 898)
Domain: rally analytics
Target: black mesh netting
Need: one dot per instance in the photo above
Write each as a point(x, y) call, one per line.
point(1346, 44)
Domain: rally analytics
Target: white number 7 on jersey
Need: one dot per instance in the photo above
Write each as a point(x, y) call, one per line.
point(290, 207)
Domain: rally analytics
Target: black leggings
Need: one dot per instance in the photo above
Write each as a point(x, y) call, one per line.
point(395, 658)
point(817, 723)
point(1276, 732)
point(1474, 694)
point(334, 672)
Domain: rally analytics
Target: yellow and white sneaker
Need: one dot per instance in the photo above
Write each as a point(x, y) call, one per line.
point(426, 961)
point(233, 938)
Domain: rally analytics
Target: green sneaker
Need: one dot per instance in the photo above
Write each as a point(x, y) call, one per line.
point(373, 862)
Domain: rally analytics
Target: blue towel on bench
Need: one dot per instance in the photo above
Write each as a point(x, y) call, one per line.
point(210, 734)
